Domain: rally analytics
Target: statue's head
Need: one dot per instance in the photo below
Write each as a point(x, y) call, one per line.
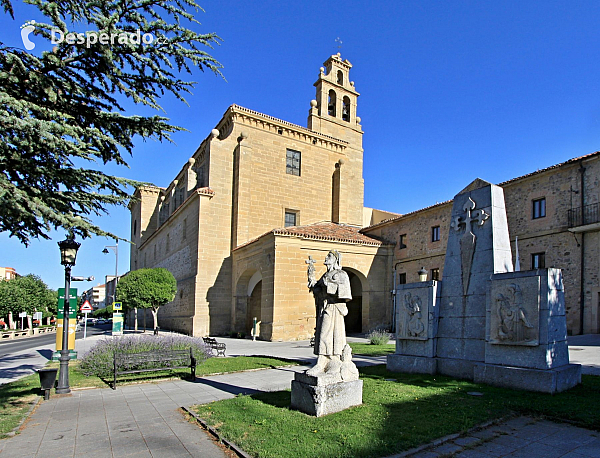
point(334, 259)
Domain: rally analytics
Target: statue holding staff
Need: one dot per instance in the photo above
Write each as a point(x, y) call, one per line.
point(331, 292)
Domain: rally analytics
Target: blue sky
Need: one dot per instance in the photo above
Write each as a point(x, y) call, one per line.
point(450, 91)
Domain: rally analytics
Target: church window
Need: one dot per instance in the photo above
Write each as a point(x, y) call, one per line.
point(435, 234)
point(346, 109)
point(292, 162)
point(168, 244)
point(134, 226)
point(331, 103)
point(290, 218)
point(402, 278)
point(538, 261)
point(340, 78)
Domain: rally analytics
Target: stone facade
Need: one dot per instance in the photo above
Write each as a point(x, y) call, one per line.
point(568, 235)
point(213, 226)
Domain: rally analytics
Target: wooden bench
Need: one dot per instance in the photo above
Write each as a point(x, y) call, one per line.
point(152, 361)
point(219, 347)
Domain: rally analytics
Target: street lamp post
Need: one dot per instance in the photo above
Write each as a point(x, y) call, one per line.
point(68, 253)
point(116, 250)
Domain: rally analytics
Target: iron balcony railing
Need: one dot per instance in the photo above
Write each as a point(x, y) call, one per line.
point(588, 214)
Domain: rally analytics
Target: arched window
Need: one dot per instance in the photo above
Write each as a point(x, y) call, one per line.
point(340, 78)
point(331, 103)
point(346, 109)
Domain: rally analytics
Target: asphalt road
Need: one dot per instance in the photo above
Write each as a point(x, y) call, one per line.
point(9, 347)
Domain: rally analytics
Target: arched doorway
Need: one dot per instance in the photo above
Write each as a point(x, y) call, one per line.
point(254, 303)
point(353, 320)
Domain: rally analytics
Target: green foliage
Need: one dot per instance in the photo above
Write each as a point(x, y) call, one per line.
point(25, 294)
point(147, 288)
point(67, 106)
point(377, 337)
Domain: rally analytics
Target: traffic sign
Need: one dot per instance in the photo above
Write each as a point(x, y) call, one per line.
point(118, 306)
point(86, 307)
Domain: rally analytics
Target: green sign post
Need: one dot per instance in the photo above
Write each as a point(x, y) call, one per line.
point(72, 303)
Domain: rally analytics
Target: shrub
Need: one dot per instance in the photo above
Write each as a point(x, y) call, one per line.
point(377, 337)
point(99, 360)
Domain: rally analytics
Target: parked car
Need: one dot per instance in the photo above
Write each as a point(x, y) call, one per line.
point(91, 321)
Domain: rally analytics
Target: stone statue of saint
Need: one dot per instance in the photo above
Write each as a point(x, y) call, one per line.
point(331, 293)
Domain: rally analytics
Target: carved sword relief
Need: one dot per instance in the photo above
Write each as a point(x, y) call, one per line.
point(468, 240)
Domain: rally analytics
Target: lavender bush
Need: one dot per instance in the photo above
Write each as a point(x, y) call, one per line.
point(378, 337)
point(99, 360)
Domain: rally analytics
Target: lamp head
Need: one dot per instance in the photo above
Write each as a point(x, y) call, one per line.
point(422, 274)
point(105, 251)
point(68, 251)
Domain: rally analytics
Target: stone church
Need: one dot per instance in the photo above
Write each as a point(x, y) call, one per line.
point(260, 195)
point(257, 198)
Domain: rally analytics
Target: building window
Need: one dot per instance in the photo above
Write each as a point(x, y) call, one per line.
point(402, 278)
point(435, 274)
point(435, 234)
point(292, 162)
point(402, 241)
point(290, 218)
point(539, 208)
point(538, 261)
point(134, 227)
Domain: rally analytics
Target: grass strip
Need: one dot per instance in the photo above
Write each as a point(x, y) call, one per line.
point(367, 349)
point(399, 412)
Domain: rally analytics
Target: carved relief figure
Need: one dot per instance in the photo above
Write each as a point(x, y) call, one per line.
point(331, 293)
point(413, 325)
point(513, 325)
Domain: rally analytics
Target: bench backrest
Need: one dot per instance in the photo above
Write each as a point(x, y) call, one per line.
point(163, 357)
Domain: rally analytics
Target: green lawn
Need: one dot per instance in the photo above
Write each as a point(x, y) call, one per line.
point(368, 349)
point(396, 415)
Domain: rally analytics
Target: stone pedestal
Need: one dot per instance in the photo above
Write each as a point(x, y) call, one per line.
point(318, 396)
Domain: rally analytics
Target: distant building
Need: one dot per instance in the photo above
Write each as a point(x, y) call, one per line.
point(8, 273)
point(95, 296)
point(109, 293)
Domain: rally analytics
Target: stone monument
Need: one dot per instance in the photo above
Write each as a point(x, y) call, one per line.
point(332, 384)
point(483, 321)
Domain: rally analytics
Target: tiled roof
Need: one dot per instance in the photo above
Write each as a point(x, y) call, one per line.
point(556, 166)
point(325, 231)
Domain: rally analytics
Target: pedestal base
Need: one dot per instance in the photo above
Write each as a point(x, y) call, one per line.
point(318, 399)
point(546, 381)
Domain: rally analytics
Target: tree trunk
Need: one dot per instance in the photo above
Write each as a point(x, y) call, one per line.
point(29, 322)
point(11, 321)
point(155, 316)
point(135, 319)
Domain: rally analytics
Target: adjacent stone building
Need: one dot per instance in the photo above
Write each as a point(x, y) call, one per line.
point(554, 214)
point(252, 203)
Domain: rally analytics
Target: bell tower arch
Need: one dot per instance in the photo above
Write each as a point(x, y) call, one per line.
point(334, 112)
